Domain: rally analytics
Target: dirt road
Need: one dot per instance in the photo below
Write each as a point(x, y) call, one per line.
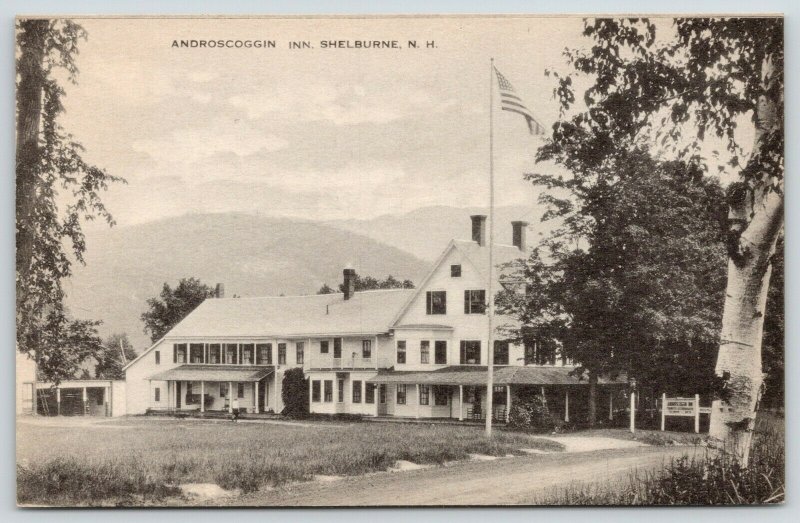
point(505, 481)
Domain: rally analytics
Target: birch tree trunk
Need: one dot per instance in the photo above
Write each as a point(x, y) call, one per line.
point(755, 223)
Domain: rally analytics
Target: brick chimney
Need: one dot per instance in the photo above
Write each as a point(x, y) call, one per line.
point(518, 230)
point(219, 291)
point(479, 228)
point(349, 283)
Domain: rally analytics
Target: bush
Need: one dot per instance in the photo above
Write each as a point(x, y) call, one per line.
point(530, 412)
point(295, 394)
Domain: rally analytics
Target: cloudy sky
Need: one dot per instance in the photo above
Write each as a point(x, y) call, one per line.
point(313, 133)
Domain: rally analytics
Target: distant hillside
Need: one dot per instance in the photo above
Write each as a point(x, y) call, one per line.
point(424, 232)
point(251, 255)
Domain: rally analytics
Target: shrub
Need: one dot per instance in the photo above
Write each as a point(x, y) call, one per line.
point(530, 412)
point(295, 393)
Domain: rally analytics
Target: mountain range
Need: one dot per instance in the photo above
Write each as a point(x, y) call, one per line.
point(256, 256)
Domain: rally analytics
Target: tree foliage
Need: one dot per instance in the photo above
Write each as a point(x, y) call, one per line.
point(109, 360)
point(173, 305)
point(368, 283)
point(295, 393)
point(644, 293)
point(49, 166)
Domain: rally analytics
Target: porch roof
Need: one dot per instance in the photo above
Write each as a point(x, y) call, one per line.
point(476, 375)
point(215, 373)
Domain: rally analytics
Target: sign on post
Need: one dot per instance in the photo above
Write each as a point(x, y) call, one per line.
point(682, 407)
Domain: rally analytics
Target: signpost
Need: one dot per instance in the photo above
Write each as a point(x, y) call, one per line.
point(682, 407)
point(633, 412)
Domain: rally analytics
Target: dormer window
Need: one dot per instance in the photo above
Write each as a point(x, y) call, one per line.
point(455, 271)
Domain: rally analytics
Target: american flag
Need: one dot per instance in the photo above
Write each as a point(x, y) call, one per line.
point(509, 101)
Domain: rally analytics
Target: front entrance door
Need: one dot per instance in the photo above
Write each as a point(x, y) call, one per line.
point(262, 391)
point(381, 399)
point(177, 394)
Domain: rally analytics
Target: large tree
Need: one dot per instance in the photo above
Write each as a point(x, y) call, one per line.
point(632, 278)
point(688, 87)
point(49, 167)
point(173, 305)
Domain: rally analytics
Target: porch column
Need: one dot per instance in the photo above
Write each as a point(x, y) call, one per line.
point(275, 405)
point(508, 403)
point(461, 403)
point(84, 401)
point(418, 400)
point(106, 402)
point(255, 399)
point(202, 396)
point(611, 404)
point(58, 401)
point(566, 406)
point(230, 397)
point(149, 392)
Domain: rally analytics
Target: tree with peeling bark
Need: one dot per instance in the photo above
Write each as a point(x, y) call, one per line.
point(685, 88)
point(49, 169)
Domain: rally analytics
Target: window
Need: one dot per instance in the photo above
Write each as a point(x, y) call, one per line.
point(337, 348)
point(281, 354)
point(437, 302)
point(369, 393)
point(455, 271)
point(440, 349)
point(231, 352)
point(323, 347)
point(401, 394)
point(158, 357)
point(340, 390)
point(300, 352)
point(179, 353)
point(366, 349)
point(440, 396)
point(264, 353)
point(475, 302)
point(500, 352)
point(382, 394)
point(424, 351)
point(196, 353)
point(401, 351)
point(470, 352)
point(537, 353)
point(158, 394)
point(215, 353)
point(247, 354)
point(356, 391)
point(315, 388)
point(240, 390)
point(328, 390)
point(424, 395)
point(223, 389)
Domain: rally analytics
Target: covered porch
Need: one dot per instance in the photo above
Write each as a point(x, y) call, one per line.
point(214, 388)
point(459, 392)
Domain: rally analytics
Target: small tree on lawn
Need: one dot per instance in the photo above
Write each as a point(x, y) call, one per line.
point(295, 393)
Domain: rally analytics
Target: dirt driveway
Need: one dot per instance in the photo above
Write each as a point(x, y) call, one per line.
point(505, 481)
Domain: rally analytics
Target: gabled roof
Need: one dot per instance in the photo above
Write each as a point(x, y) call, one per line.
point(477, 256)
point(366, 312)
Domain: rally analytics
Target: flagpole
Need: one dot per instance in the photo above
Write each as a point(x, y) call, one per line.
point(489, 293)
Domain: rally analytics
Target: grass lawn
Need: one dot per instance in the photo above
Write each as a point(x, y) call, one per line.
point(141, 460)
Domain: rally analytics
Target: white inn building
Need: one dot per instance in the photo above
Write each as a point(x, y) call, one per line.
point(417, 353)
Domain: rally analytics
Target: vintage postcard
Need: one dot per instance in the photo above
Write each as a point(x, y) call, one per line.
point(399, 260)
